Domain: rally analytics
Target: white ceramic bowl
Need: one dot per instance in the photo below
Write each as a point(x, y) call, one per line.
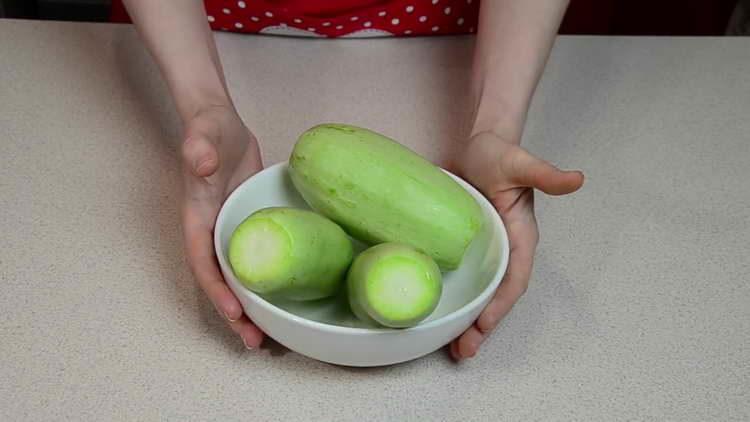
point(326, 330)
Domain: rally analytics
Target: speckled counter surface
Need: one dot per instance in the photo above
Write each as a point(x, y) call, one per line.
point(639, 308)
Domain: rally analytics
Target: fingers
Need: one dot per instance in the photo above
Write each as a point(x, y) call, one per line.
point(251, 336)
point(467, 345)
point(527, 170)
point(513, 286)
point(205, 269)
point(199, 151)
point(453, 350)
point(510, 290)
point(202, 261)
point(199, 156)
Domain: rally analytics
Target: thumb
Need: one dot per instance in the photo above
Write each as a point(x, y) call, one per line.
point(532, 172)
point(199, 155)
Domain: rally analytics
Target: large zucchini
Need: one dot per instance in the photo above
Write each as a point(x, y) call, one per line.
point(380, 191)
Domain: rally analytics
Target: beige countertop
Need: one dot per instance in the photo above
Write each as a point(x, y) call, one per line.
point(639, 307)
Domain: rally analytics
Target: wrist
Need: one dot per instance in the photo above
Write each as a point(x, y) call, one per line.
point(499, 118)
point(194, 100)
point(195, 86)
point(497, 112)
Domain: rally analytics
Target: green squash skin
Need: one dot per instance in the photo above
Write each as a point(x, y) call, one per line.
point(380, 191)
point(313, 266)
point(364, 302)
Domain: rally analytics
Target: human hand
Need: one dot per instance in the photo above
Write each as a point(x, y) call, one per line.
point(507, 175)
point(218, 153)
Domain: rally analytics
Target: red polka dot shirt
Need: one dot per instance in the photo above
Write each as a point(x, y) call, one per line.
point(338, 18)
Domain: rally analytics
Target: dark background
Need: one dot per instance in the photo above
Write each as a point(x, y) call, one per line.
point(69, 10)
point(598, 17)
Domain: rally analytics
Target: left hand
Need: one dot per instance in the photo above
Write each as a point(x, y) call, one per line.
point(507, 175)
point(219, 153)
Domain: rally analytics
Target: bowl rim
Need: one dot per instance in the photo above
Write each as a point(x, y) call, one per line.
point(497, 277)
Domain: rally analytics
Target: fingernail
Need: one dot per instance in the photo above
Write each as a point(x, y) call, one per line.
point(197, 164)
point(247, 346)
point(226, 315)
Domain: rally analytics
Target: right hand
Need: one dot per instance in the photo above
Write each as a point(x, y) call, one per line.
point(508, 175)
point(218, 153)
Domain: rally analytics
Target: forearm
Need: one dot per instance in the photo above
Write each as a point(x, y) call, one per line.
point(177, 35)
point(513, 44)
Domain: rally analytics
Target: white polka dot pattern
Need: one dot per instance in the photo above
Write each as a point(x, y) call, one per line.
point(389, 17)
